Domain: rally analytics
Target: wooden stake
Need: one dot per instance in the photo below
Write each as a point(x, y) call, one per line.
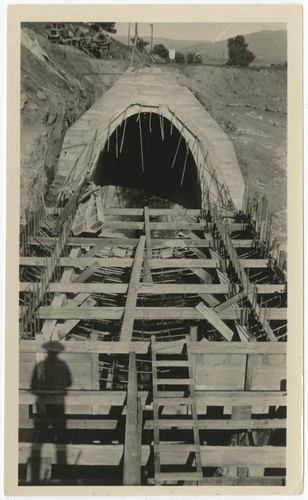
point(132, 447)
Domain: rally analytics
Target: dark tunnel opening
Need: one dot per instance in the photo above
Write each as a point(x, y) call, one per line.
point(147, 152)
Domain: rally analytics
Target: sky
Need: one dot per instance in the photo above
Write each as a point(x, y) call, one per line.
point(198, 31)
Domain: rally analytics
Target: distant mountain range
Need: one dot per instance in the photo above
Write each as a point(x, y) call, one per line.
point(269, 47)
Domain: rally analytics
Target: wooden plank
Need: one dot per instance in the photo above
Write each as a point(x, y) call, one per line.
point(96, 262)
point(156, 436)
point(218, 424)
point(269, 456)
point(147, 276)
point(250, 361)
point(148, 242)
point(80, 299)
point(87, 273)
point(181, 263)
point(204, 276)
point(234, 348)
point(49, 326)
point(166, 288)
point(167, 398)
point(192, 375)
point(130, 306)
point(132, 446)
point(100, 243)
point(94, 372)
point(154, 212)
point(239, 413)
point(145, 313)
point(156, 242)
point(125, 262)
point(70, 423)
point(173, 381)
point(99, 207)
point(229, 302)
point(244, 481)
point(213, 318)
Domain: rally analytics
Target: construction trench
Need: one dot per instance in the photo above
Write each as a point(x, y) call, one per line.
point(153, 305)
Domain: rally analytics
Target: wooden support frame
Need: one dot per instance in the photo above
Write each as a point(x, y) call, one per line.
point(130, 306)
point(96, 403)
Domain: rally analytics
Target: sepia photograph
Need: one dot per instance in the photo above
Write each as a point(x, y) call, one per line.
point(153, 253)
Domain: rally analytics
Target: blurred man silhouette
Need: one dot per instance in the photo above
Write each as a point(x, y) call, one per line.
point(50, 374)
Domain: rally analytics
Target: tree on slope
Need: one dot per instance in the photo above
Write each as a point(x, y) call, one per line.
point(238, 52)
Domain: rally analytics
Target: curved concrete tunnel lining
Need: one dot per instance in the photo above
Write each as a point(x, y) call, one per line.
point(149, 152)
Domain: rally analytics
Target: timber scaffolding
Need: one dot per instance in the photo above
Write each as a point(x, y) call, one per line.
point(172, 368)
point(152, 337)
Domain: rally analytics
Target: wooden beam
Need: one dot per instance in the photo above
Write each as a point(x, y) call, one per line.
point(213, 318)
point(127, 262)
point(148, 242)
point(132, 446)
point(130, 306)
point(94, 372)
point(169, 398)
point(142, 347)
point(219, 424)
point(269, 456)
point(49, 326)
point(70, 423)
point(156, 242)
point(156, 288)
point(229, 302)
point(144, 313)
point(194, 212)
point(87, 273)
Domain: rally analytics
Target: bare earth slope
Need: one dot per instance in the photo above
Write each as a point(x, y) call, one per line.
point(56, 89)
point(251, 107)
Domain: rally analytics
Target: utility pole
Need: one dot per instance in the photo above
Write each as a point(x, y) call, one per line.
point(135, 44)
point(151, 37)
point(128, 36)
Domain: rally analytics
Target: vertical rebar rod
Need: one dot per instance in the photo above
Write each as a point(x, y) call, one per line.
point(178, 147)
point(141, 145)
point(123, 135)
point(185, 162)
point(108, 135)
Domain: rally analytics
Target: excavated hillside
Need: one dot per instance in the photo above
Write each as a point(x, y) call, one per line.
point(59, 83)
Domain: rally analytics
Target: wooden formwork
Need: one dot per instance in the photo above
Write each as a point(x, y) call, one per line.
point(161, 340)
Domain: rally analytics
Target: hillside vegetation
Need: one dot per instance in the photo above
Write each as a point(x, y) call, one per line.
point(269, 47)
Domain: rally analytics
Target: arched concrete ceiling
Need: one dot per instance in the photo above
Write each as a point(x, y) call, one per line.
point(154, 90)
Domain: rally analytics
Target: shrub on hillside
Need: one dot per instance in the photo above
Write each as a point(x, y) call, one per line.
point(161, 51)
point(193, 58)
point(179, 57)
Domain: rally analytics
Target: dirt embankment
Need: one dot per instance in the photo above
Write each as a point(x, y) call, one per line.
point(251, 107)
point(58, 84)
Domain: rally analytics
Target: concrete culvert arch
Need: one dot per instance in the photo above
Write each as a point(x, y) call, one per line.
point(147, 151)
